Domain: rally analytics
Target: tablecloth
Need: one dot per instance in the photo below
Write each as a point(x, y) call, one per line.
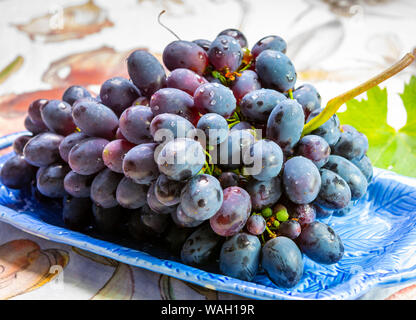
point(53, 44)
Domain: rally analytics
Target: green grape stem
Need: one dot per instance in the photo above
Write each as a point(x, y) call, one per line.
point(334, 104)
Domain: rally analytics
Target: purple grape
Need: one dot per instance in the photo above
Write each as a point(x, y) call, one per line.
point(301, 180)
point(144, 224)
point(168, 192)
point(229, 179)
point(215, 128)
point(315, 148)
point(16, 173)
point(290, 229)
point(335, 192)
point(76, 213)
point(95, 119)
point(185, 80)
point(141, 101)
point(244, 84)
point(225, 53)
point(264, 193)
point(86, 156)
point(34, 111)
point(114, 153)
point(139, 164)
point(172, 100)
point(43, 149)
point(185, 54)
point(19, 143)
point(118, 94)
point(131, 195)
point(182, 220)
point(78, 185)
point(103, 188)
point(269, 42)
point(74, 93)
point(330, 130)
point(35, 128)
point(236, 34)
point(303, 213)
point(135, 124)
point(256, 224)
point(215, 98)
point(242, 125)
point(57, 116)
point(308, 97)
point(155, 204)
point(234, 212)
point(50, 180)
point(351, 144)
point(146, 72)
point(171, 125)
point(203, 43)
point(68, 142)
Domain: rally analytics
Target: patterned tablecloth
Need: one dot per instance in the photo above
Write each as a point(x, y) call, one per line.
point(334, 45)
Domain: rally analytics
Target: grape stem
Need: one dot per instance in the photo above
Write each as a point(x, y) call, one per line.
point(158, 20)
point(334, 104)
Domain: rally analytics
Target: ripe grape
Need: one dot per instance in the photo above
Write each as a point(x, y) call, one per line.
point(308, 97)
point(57, 116)
point(43, 149)
point(301, 180)
point(114, 153)
point(185, 54)
point(146, 72)
point(215, 98)
point(242, 125)
point(103, 188)
point(131, 195)
point(364, 164)
point(303, 213)
point(330, 130)
point(155, 204)
point(240, 256)
point(203, 43)
point(107, 220)
point(244, 84)
point(335, 192)
point(234, 212)
point(229, 154)
point(182, 220)
point(33, 127)
point(76, 212)
point(315, 148)
point(185, 80)
point(229, 179)
point(290, 229)
point(50, 180)
point(171, 125)
point(215, 128)
point(78, 185)
point(135, 124)
point(264, 193)
point(282, 261)
point(20, 142)
point(118, 94)
point(139, 164)
point(236, 34)
point(168, 192)
point(351, 144)
point(320, 243)
point(144, 224)
point(225, 53)
point(74, 93)
point(86, 156)
point(275, 43)
point(34, 113)
point(68, 142)
point(256, 224)
point(16, 173)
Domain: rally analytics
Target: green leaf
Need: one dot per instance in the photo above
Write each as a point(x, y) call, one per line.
point(389, 148)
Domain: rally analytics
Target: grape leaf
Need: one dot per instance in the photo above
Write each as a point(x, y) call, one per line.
point(389, 148)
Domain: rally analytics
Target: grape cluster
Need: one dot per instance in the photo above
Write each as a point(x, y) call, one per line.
point(208, 158)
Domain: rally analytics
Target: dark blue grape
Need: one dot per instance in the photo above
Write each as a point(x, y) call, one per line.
point(135, 124)
point(258, 104)
point(256, 224)
point(351, 144)
point(131, 195)
point(301, 180)
point(237, 35)
point(144, 224)
point(154, 204)
point(285, 124)
point(185, 80)
point(203, 43)
point(234, 212)
point(78, 185)
point(275, 70)
point(322, 212)
point(35, 128)
point(74, 93)
point(95, 119)
point(171, 100)
point(86, 156)
point(20, 142)
point(229, 179)
point(182, 220)
point(103, 188)
point(146, 72)
point(320, 243)
point(225, 53)
point(57, 116)
point(215, 98)
point(118, 94)
point(214, 126)
point(139, 164)
point(335, 192)
point(185, 54)
point(230, 152)
point(114, 153)
point(181, 159)
point(107, 220)
point(282, 262)
point(264, 193)
point(244, 84)
point(68, 142)
point(308, 97)
point(275, 43)
point(330, 130)
point(171, 126)
point(242, 125)
point(77, 212)
point(290, 229)
point(43, 149)
point(350, 173)
point(201, 197)
point(168, 192)
point(315, 148)
point(50, 180)
point(264, 160)
point(364, 164)
point(34, 111)
point(344, 211)
point(240, 256)
point(16, 173)
point(201, 247)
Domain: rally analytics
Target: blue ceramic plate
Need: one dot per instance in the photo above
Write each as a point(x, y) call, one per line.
point(379, 236)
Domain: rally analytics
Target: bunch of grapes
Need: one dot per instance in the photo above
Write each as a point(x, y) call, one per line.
point(209, 158)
